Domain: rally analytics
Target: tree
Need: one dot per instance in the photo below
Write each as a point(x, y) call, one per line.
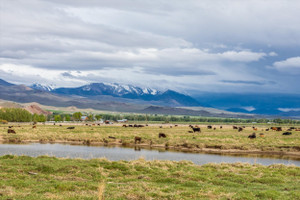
point(57, 118)
point(77, 116)
point(67, 118)
point(98, 117)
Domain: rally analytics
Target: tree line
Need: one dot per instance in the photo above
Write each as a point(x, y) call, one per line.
point(20, 115)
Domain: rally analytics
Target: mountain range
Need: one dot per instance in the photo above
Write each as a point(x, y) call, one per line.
point(94, 90)
point(129, 98)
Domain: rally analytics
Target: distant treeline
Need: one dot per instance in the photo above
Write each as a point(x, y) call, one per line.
point(20, 115)
point(164, 118)
point(170, 118)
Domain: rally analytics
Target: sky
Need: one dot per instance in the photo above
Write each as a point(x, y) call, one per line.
point(189, 46)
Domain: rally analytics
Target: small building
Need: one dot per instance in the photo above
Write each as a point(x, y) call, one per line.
point(122, 120)
point(84, 118)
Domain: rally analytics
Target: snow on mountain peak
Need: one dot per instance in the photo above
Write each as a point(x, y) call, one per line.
point(43, 87)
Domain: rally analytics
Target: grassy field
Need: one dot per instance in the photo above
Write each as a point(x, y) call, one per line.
point(23, 177)
point(177, 137)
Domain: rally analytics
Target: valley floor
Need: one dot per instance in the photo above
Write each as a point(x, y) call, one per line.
point(225, 140)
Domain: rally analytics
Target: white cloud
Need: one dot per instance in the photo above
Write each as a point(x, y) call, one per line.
point(293, 62)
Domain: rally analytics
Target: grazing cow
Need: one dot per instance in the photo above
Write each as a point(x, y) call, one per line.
point(196, 130)
point(175, 125)
point(162, 135)
point(86, 124)
point(292, 128)
point(171, 127)
point(160, 126)
point(221, 127)
point(298, 129)
point(34, 126)
point(244, 126)
point(10, 126)
point(111, 137)
point(240, 129)
point(276, 128)
point(267, 129)
point(137, 139)
point(191, 126)
point(215, 128)
point(71, 127)
point(130, 125)
point(11, 131)
point(255, 129)
point(146, 125)
point(252, 136)
point(234, 127)
point(262, 135)
point(287, 133)
point(124, 125)
point(98, 124)
point(209, 127)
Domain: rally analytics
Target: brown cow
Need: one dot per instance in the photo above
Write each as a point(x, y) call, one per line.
point(240, 129)
point(71, 127)
point(234, 127)
point(11, 131)
point(137, 139)
point(34, 126)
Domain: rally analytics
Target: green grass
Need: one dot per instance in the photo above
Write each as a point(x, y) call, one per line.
point(90, 179)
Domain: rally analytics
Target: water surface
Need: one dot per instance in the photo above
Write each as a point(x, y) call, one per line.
point(121, 153)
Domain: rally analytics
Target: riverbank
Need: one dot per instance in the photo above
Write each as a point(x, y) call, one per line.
point(53, 178)
point(225, 140)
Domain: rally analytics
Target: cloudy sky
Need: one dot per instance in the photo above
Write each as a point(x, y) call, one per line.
point(189, 46)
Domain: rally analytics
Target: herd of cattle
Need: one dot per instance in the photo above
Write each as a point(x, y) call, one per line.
point(194, 129)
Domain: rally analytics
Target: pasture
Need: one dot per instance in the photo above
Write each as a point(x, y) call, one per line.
point(180, 137)
point(44, 177)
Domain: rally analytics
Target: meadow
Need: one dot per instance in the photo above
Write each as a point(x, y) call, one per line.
point(23, 177)
point(226, 139)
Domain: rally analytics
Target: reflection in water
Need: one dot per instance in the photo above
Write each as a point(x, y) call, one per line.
point(121, 153)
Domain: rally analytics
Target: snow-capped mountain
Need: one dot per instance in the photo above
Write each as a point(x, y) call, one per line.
point(42, 87)
point(170, 97)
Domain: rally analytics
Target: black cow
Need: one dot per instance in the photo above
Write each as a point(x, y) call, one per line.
point(234, 127)
point(71, 127)
point(162, 135)
point(287, 133)
point(252, 136)
point(240, 129)
point(209, 127)
point(196, 130)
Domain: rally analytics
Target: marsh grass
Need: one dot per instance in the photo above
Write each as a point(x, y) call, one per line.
point(224, 139)
point(53, 178)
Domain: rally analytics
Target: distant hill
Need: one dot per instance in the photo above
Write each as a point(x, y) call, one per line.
point(4, 83)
